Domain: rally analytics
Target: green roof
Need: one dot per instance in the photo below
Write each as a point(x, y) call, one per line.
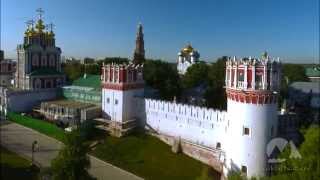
point(88, 81)
point(313, 71)
point(45, 71)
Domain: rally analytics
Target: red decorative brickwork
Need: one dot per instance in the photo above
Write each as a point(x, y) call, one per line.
point(122, 86)
point(252, 97)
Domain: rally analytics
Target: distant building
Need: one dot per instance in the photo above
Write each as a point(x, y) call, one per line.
point(306, 94)
point(313, 73)
point(82, 101)
point(86, 89)
point(139, 52)
point(7, 70)
point(186, 58)
point(69, 112)
point(1, 55)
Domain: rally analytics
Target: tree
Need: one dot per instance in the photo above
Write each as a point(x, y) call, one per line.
point(294, 72)
point(72, 161)
point(290, 73)
point(208, 173)
point(162, 76)
point(195, 75)
point(115, 60)
point(88, 60)
point(92, 69)
point(73, 70)
point(306, 167)
point(215, 95)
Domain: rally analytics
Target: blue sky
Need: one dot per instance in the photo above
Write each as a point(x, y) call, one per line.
point(98, 28)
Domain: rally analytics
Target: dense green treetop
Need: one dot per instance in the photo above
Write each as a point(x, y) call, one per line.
point(195, 75)
point(162, 76)
point(72, 162)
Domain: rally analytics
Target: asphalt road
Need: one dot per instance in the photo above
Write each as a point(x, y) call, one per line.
point(19, 139)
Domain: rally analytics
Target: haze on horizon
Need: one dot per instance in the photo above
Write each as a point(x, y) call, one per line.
point(288, 29)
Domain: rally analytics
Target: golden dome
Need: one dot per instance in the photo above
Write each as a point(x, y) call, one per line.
point(29, 32)
point(40, 26)
point(187, 49)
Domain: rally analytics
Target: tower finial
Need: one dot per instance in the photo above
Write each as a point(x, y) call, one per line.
point(51, 26)
point(265, 55)
point(40, 26)
point(139, 52)
point(40, 12)
point(30, 24)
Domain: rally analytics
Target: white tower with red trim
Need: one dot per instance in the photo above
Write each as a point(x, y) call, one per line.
point(252, 86)
point(121, 84)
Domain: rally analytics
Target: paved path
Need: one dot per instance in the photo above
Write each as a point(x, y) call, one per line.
point(19, 139)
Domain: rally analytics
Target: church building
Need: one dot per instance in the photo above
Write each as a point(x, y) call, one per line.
point(39, 65)
point(38, 74)
point(186, 58)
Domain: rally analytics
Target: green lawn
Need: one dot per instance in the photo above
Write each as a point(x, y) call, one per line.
point(141, 154)
point(148, 157)
point(38, 125)
point(15, 167)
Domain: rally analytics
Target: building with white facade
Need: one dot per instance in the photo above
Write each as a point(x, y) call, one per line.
point(232, 140)
point(38, 74)
point(186, 58)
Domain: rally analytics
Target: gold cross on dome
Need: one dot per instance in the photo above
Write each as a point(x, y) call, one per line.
point(50, 26)
point(30, 23)
point(40, 12)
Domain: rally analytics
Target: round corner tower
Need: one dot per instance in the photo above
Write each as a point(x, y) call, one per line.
point(252, 87)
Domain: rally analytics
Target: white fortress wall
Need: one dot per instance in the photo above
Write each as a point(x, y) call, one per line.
point(199, 125)
point(24, 101)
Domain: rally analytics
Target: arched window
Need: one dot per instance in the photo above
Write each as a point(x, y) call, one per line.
point(48, 84)
point(218, 146)
point(58, 82)
point(52, 61)
point(44, 61)
point(37, 84)
point(35, 60)
point(116, 75)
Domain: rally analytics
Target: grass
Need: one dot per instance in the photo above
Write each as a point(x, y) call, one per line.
point(148, 157)
point(37, 125)
point(15, 167)
point(139, 153)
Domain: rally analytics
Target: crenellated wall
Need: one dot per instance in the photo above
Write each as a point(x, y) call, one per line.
point(232, 140)
point(202, 126)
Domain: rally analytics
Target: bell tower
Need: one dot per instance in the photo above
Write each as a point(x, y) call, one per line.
point(139, 53)
point(252, 87)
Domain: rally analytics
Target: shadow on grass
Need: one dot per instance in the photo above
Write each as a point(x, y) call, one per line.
point(12, 173)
